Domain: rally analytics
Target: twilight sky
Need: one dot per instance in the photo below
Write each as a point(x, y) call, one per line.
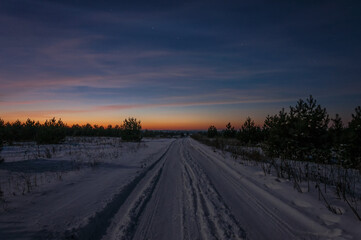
point(176, 64)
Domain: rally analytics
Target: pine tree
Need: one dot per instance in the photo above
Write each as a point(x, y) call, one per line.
point(212, 132)
point(336, 135)
point(2, 128)
point(229, 132)
point(2, 132)
point(131, 130)
point(249, 132)
point(277, 136)
point(308, 126)
point(301, 134)
point(354, 139)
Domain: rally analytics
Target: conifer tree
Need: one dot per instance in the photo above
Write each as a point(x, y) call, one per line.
point(229, 132)
point(277, 136)
point(131, 130)
point(336, 138)
point(354, 138)
point(249, 132)
point(212, 132)
point(2, 128)
point(308, 129)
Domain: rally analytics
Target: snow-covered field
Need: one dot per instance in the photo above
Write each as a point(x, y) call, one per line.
point(102, 188)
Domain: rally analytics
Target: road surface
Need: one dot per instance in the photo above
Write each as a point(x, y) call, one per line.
point(191, 192)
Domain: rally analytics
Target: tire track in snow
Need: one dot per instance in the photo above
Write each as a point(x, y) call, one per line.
point(191, 222)
point(145, 231)
point(156, 223)
point(138, 208)
point(99, 223)
point(276, 222)
point(265, 204)
point(190, 225)
point(213, 210)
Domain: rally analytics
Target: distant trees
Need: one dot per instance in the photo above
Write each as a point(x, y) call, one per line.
point(164, 133)
point(212, 132)
point(54, 131)
point(51, 132)
point(29, 130)
point(304, 133)
point(131, 130)
point(16, 130)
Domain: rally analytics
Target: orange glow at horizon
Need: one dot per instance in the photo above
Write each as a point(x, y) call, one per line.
point(187, 123)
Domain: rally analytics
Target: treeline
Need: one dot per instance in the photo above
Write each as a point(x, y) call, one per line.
point(164, 133)
point(54, 131)
point(305, 132)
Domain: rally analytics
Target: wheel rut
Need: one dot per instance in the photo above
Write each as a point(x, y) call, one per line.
point(97, 225)
point(212, 212)
point(129, 229)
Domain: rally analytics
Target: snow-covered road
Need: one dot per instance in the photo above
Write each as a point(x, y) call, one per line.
point(188, 191)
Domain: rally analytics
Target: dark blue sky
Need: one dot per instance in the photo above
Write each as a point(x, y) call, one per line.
point(191, 63)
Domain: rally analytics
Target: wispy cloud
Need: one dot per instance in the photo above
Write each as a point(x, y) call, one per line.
point(152, 105)
point(189, 104)
point(67, 58)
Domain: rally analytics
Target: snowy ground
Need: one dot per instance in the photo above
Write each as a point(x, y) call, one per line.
point(100, 188)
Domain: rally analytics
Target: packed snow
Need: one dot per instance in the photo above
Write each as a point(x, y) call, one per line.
point(103, 188)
